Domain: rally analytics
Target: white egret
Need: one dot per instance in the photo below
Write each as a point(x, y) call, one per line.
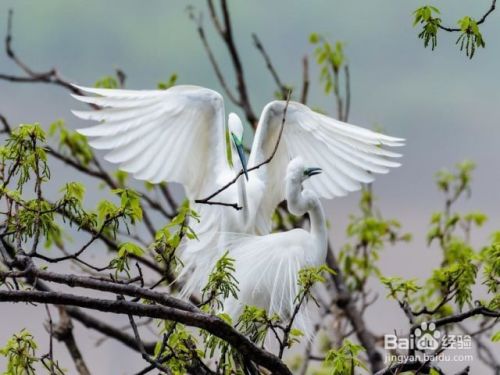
point(178, 135)
point(267, 267)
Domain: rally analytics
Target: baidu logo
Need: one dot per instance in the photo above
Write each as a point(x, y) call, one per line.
point(427, 337)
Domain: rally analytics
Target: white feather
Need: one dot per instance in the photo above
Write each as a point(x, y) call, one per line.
point(347, 154)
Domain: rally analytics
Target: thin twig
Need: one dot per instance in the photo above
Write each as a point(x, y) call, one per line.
point(64, 332)
point(208, 200)
point(51, 76)
point(481, 20)
point(212, 59)
point(305, 80)
point(153, 361)
point(224, 28)
point(51, 340)
point(347, 93)
point(258, 44)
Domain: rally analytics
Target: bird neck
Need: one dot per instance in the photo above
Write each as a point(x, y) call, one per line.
point(318, 226)
point(241, 185)
point(302, 202)
point(242, 197)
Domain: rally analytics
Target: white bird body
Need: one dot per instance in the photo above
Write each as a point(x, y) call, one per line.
point(267, 267)
point(178, 135)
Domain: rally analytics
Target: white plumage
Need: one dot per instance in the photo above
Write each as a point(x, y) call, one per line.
point(178, 135)
point(267, 267)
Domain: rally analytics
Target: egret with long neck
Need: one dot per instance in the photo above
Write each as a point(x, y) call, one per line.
point(179, 136)
point(267, 267)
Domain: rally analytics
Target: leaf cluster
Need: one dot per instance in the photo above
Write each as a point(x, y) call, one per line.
point(470, 37)
point(343, 360)
point(221, 283)
point(330, 58)
point(20, 352)
point(427, 17)
point(168, 238)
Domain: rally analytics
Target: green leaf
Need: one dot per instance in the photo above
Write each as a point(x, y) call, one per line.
point(106, 209)
point(129, 248)
point(345, 359)
point(397, 286)
point(107, 82)
point(425, 16)
point(172, 80)
point(221, 283)
point(294, 332)
point(314, 38)
point(496, 337)
point(20, 352)
point(74, 190)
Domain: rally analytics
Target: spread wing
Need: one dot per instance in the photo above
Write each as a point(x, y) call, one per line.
point(174, 135)
point(348, 154)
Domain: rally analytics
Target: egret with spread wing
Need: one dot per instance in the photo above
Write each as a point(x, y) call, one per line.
point(178, 135)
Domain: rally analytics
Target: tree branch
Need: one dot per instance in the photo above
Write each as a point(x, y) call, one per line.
point(64, 332)
point(212, 324)
point(420, 367)
point(213, 61)
point(104, 286)
point(118, 334)
point(51, 76)
point(481, 20)
point(480, 310)
point(348, 306)
point(224, 29)
point(154, 362)
point(305, 80)
point(270, 67)
point(227, 36)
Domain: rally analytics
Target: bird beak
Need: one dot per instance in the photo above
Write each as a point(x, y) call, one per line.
point(309, 172)
point(241, 153)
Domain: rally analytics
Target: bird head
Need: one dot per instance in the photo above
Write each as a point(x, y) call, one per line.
point(236, 132)
point(297, 171)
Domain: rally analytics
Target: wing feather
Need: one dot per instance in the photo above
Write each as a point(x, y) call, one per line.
point(349, 155)
point(174, 135)
point(267, 270)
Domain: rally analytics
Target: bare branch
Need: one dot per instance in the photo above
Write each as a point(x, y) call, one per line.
point(118, 334)
point(484, 353)
point(64, 332)
point(347, 108)
point(213, 61)
point(153, 361)
point(102, 285)
point(238, 67)
point(6, 125)
point(215, 19)
point(420, 367)
point(51, 76)
point(479, 310)
point(225, 31)
point(347, 305)
point(51, 340)
point(258, 44)
point(210, 323)
point(305, 80)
